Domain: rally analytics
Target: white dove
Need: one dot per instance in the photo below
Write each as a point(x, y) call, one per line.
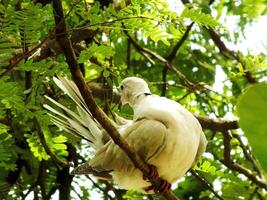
point(165, 134)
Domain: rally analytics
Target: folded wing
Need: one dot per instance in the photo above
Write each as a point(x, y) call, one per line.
point(146, 137)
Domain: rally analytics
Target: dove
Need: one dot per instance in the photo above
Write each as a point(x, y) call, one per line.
point(165, 134)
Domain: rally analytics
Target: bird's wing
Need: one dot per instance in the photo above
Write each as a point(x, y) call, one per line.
point(201, 148)
point(147, 137)
point(85, 168)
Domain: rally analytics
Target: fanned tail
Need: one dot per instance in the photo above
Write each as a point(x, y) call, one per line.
point(82, 123)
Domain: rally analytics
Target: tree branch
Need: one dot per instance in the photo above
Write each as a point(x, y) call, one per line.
point(229, 54)
point(171, 56)
point(41, 179)
point(161, 59)
point(164, 80)
point(176, 48)
point(217, 124)
point(249, 156)
point(97, 113)
point(15, 61)
point(227, 161)
point(225, 51)
point(47, 149)
point(214, 124)
point(205, 183)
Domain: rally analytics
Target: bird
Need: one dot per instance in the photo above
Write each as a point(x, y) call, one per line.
point(162, 132)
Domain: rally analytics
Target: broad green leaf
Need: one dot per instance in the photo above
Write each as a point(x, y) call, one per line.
point(252, 110)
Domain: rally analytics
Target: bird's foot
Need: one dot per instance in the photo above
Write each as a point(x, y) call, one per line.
point(162, 188)
point(153, 174)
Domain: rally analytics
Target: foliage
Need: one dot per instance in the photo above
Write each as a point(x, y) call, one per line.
point(133, 38)
point(252, 112)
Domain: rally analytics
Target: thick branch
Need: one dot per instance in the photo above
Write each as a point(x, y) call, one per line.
point(97, 113)
point(41, 179)
point(217, 124)
point(214, 124)
point(64, 179)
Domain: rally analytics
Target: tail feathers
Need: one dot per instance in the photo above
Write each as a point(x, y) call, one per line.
point(71, 90)
point(81, 124)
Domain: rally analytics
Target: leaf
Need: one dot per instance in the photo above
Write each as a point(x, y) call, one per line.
point(100, 52)
point(207, 167)
point(3, 128)
point(252, 111)
point(106, 73)
point(59, 146)
point(202, 19)
point(60, 139)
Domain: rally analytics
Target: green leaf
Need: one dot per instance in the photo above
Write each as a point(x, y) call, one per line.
point(100, 52)
point(60, 139)
point(3, 128)
point(106, 73)
point(207, 167)
point(59, 146)
point(252, 110)
point(202, 19)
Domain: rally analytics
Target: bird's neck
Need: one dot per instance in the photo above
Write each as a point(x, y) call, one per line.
point(139, 97)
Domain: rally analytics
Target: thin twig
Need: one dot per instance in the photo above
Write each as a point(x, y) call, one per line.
point(249, 155)
point(162, 60)
point(171, 57)
point(205, 183)
point(164, 80)
point(15, 61)
point(227, 161)
point(178, 45)
point(225, 51)
point(47, 149)
point(113, 21)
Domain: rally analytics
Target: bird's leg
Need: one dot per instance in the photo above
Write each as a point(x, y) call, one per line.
point(162, 188)
point(153, 174)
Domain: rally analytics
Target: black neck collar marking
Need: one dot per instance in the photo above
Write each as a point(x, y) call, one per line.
point(146, 93)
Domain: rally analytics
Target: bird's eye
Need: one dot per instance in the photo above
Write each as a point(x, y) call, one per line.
point(121, 87)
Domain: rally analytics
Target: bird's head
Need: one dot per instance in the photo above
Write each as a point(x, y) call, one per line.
point(131, 88)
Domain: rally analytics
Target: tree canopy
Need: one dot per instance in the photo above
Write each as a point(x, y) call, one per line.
point(181, 48)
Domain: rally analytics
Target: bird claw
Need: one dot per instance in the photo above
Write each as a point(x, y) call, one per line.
point(153, 174)
point(162, 188)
